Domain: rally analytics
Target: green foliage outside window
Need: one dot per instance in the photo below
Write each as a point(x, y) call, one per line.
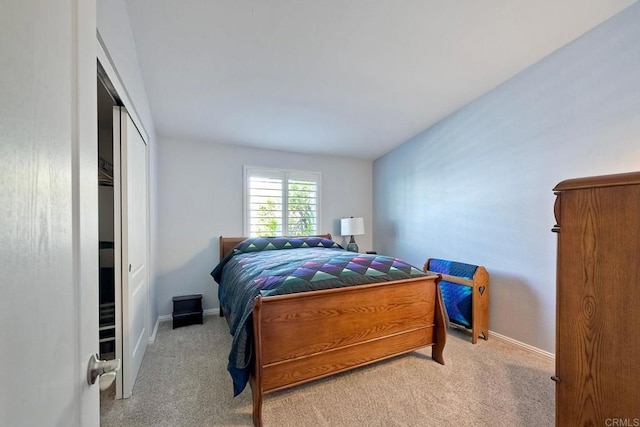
point(301, 214)
point(268, 221)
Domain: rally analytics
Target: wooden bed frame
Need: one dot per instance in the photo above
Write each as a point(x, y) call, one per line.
point(310, 335)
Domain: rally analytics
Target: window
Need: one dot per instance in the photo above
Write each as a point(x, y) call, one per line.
point(281, 202)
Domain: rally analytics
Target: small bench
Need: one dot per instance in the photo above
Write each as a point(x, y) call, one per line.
point(465, 291)
point(187, 310)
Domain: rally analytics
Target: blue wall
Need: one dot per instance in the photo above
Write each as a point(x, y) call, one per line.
point(477, 186)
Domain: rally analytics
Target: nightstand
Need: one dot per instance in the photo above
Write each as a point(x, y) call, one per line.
point(187, 310)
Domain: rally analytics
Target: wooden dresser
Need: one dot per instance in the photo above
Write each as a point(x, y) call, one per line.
point(598, 301)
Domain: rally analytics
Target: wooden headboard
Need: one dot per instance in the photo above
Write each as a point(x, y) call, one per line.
point(228, 243)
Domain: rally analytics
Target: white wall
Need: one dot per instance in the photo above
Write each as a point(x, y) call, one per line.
point(477, 186)
point(116, 37)
point(200, 198)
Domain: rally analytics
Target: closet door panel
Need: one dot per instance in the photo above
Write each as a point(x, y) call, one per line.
point(134, 231)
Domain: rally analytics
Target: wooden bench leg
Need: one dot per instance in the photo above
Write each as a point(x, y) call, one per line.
point(480, 325)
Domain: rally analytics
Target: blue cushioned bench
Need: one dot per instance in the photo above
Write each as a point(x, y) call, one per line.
point(465, 291)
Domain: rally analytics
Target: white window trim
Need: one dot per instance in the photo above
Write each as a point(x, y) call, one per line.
point(286, 172)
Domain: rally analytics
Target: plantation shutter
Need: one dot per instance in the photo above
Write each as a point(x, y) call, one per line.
point(281, 202)
point(265, 204)
point(302, 203)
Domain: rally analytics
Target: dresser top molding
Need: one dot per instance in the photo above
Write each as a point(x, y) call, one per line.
point(629, 178)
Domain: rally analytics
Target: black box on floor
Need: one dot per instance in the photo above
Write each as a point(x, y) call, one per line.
point(187, 310)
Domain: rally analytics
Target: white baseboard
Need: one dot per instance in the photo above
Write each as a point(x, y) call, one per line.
point(167, 317)
point(522, 345)
point(152, 337)
point(211, 312)
point(164, 318)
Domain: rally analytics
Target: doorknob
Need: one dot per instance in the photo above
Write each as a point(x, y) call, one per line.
point(106, 370)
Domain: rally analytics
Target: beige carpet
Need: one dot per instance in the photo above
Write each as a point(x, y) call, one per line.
point(183, 382)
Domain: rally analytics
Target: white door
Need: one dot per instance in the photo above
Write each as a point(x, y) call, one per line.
point(48, 213)
point(134, 291)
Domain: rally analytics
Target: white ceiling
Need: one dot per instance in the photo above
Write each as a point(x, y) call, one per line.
point(343, 77)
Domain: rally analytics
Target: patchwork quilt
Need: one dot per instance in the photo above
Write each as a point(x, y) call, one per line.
point(278, 265)
point(457, 298)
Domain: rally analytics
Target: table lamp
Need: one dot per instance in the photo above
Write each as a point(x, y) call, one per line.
point(352, 227)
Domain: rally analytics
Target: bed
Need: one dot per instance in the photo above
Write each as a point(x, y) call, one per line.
point(293, 323)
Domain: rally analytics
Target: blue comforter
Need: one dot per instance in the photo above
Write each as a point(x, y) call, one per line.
point(276, 266)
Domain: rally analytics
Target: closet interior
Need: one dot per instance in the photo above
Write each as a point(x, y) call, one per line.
point(106, 233)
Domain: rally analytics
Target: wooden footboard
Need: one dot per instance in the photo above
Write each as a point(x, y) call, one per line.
point(310, 335)
point(306, 336)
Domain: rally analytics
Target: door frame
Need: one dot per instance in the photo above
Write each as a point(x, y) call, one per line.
point(115, 87)
point(84, 204)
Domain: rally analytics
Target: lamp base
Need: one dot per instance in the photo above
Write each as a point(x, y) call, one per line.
point(352, 246)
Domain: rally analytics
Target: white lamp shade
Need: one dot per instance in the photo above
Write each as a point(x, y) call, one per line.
point(351, 226)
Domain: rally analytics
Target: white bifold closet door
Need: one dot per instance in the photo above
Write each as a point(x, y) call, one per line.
point(133, 293)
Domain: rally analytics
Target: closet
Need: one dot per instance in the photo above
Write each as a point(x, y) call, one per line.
point(106, 232)
point(598, 297)
point(123, 203)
